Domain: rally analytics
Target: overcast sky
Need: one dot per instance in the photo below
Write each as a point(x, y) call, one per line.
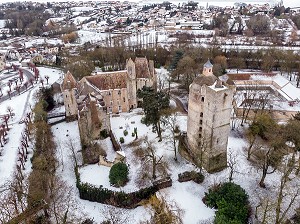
point(287, 3)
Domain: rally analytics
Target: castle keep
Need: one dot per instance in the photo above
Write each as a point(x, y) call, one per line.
point(208, 124)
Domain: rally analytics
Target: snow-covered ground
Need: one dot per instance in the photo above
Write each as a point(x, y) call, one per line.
point(21, 105)
point(188, 196)
point(91, 209)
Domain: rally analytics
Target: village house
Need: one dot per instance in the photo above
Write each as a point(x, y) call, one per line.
point(2, 62)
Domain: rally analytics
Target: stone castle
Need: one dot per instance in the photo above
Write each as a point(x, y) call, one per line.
point(208, 124)
point(209, 107)
point(94, 97)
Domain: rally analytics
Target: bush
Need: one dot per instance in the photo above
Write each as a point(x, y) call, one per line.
point(118, 174)
point(231, 201)
point(125, 132)
point(122, 140)
point(104, 133)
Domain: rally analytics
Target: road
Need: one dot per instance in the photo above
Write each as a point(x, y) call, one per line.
point(29, 76)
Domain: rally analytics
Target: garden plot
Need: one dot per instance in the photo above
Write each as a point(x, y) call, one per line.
point(183, 194)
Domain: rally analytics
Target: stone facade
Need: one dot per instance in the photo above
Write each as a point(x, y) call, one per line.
point(92, 119)
point(120, 157)
point(69, 88)
point(118, 89)
point(208, 125)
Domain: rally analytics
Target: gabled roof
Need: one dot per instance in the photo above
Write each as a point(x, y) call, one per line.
point(109, 80)
point(205, 80)
point(142, 68)
point(69, 81)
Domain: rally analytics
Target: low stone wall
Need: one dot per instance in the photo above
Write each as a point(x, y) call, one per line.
point(115, 142)
point(279, 115)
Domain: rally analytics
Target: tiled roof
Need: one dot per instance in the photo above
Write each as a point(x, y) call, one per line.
point(142, 68)
point(69, 81)
point(109, 80)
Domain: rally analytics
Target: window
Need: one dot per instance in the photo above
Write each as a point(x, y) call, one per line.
point(200, 122)
point(119, 92)
point(111, 102)
point(200, 135)
point(201, 114)
point(66, 96)
point(120, 109)
point(202, 99)
point(124, 99)
point(200, 129)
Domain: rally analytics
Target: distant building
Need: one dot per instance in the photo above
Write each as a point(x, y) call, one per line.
point(2, 62)
point(208, 124)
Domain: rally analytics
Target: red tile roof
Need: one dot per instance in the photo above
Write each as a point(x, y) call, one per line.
point(109, 80)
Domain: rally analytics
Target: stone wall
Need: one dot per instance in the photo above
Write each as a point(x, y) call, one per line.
point(209, 124)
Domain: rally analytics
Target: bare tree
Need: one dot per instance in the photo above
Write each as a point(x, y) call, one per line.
point(70, 145)
point(151, 157)
point(10, 110)
point(276, 207)
point(62, 204)
point(171, 124)
point(163, 212)
point(231, 163)
point(113, 215)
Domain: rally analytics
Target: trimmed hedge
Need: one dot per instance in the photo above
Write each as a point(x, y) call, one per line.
point(116, 198)
point(231, 201)
point(197, 177)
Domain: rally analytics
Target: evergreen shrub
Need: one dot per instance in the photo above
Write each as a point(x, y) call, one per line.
point(231, 201)
point(118, 174)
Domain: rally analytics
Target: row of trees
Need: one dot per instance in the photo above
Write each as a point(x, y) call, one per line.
point(273, 147)
point(185, 63)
